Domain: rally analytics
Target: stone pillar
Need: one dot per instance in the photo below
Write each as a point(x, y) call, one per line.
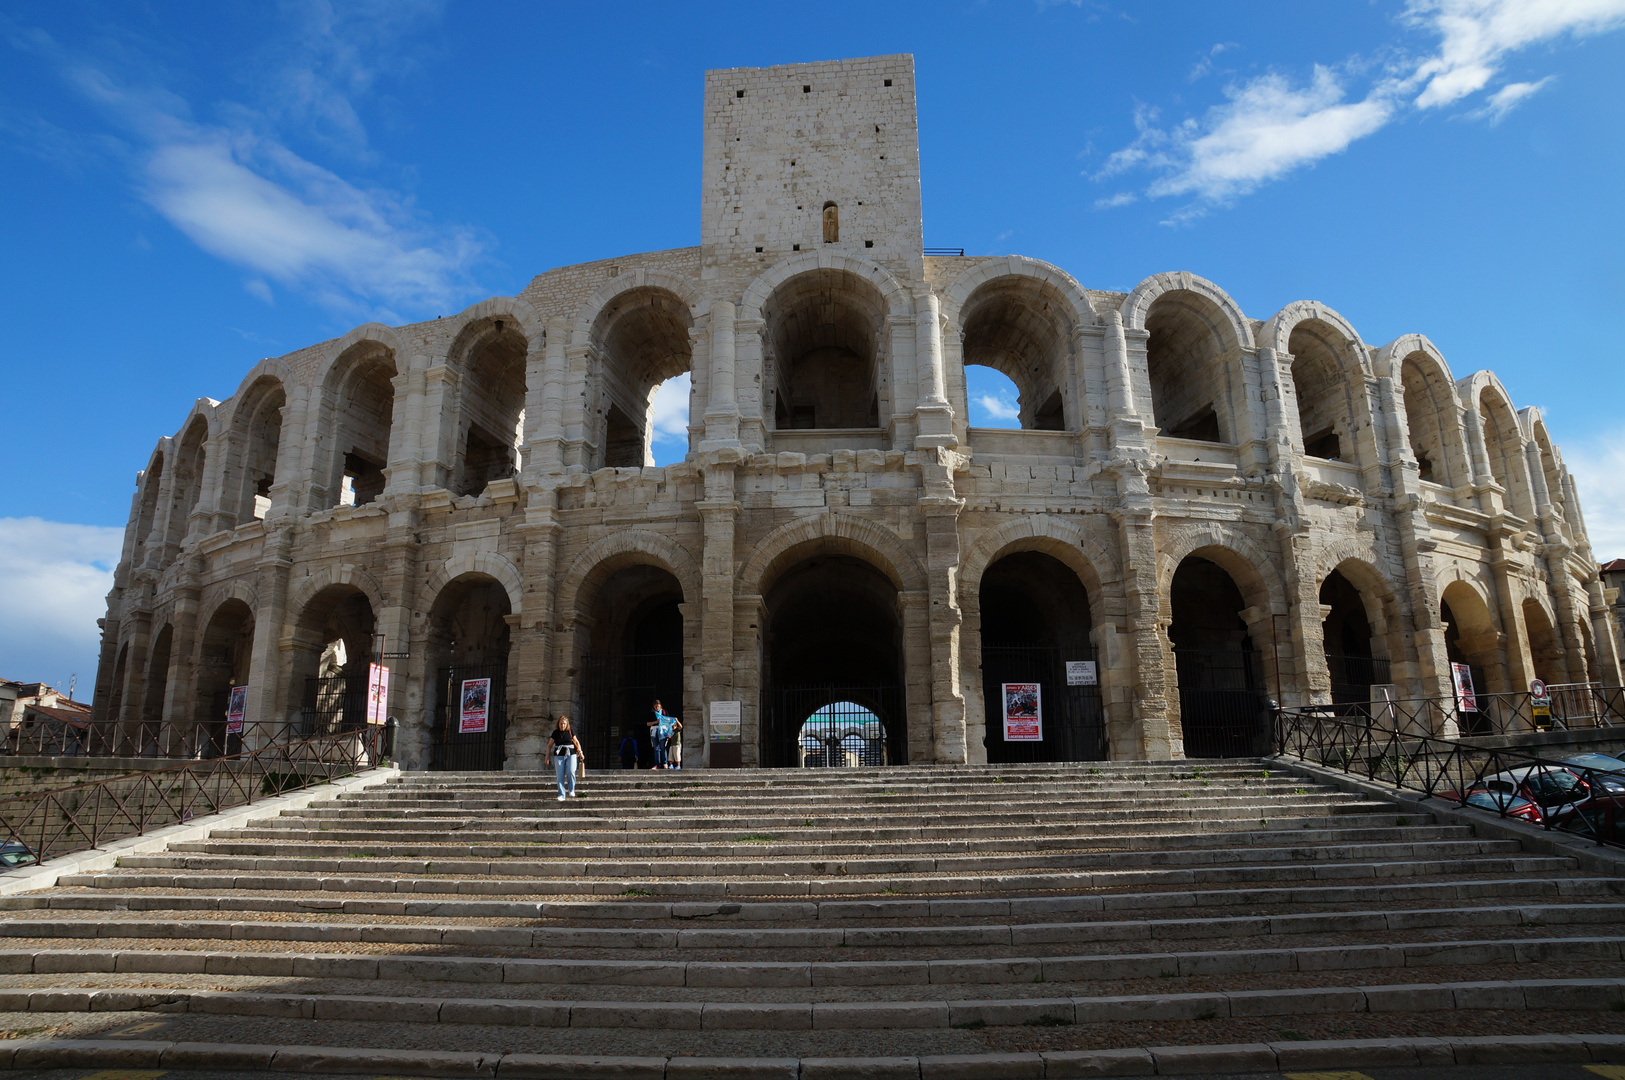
point(748, 623)
point(933, 416)
point(1119, 377)
point(532, 647)
point(949, 740)
point(1491, 499)
point(269, 679)
point(546, 435)
point(580, 404)
point(436, 453)
point(748, 389)
point(719, 517)
point(918, 674)
point(1155, 736)
point(722, 409)
point(180, 688)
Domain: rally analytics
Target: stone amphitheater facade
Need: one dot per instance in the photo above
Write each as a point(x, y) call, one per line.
point(1214, 509)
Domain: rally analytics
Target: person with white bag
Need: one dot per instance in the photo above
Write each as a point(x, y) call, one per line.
point(564, 751)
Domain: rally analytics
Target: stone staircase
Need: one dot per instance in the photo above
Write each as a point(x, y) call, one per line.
point(1038, 921)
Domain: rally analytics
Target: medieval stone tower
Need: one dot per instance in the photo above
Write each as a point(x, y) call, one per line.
point(1200, 511)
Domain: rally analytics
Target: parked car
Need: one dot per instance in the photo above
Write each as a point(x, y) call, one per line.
point(15, 853)
point(1497, 801)
point(1542, 790)
point(1603, 815)
point(1605, 771)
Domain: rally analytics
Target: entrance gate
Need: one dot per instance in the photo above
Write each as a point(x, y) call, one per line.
point(616, 694)
point(833, 726)
point(1221, 703)
point(474, 751)
point(1073, 720)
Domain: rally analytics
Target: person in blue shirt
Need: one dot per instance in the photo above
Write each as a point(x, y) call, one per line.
point(629, 752)
point(661, 729)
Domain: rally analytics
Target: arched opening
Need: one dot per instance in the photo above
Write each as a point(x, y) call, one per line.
point(1470, 638)
point(1222, 703)
point(642, 341)
point(151, 481)
point(824, 335)
point(1545, 646)
point(223, 662)
point(1504, 447)
point(1020, 327)
point(668, 420)
point(187, 485)
point(361, 395)
point(631, 636)
point(834, 637)
point(1353, 652)
point(842, 734)
point(992, 398)
point(146, 740)
point(1321, 390)
point(331, 649)
point(1185, 353)
point(467, 649)
point(832, 223)
point(491, 405)
point(1554, 478)
point(1430, 417)
point(256, 435)
point(1036, 625)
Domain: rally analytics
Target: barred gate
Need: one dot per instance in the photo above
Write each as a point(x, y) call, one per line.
point(1354, 676)
point(617, 691)
point(333, 703)
point(1074, 724)
point(1222, 705)
point(828, 726)
point(454, 750)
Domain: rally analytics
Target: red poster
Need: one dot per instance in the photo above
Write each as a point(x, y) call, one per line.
point(476, 706)
point(377, 693)
point(1023, 713)
point(1466, 700)
point(235, 710)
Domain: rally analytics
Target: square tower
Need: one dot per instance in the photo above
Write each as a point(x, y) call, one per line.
point(812, 156)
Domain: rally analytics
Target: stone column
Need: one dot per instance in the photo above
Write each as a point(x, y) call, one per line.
point(269, 680)
point(180, 688)
point(917, 674)
point(933, 416)
point(1155, 737)
point(436, 453)
point(722, 410)
point(748, 623)
point(949, 745)
point(748, 389)
point(719, 516)
point(531, 651)
point(1491, 499)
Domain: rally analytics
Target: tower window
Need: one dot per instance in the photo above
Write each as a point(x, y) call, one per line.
point(742, 93)
point(806, 89)
point(739, 93)
point(832, 223)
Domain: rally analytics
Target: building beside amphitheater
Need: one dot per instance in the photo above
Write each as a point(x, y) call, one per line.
point(1214, 510)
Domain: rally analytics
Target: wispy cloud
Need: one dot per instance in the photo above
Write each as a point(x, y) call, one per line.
point(668, 412)
point(1271, 125)
point(236, 189)
point(57, 577)
point(999, 408)
point(1599, 472)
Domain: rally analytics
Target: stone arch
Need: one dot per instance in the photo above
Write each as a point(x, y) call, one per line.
point(1551, 463)
point(1434, 436)
point(150, 486)
point(765, 284)
point(1503, 439)
point(1327, 379)
point(640, 336)
point(235, 589)
point(1238, 554)
point(376, 334)
point(190, 465)
point(481, 426)
point(954, 297)
point(491, 564)
point(530, 322)
point(827, 347)
point(342, 574)
point(356, 417)
point(1093, 562)
point(253, 426)
point(1137, 305)
point(841, 533)
point(629, 547)
point(1277, 332)
point(593, 308)
point(1378, 597)
point(1473, 636)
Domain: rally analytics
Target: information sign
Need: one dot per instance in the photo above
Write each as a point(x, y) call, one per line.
point(1081, 673)
point(235, 710)
point(1023, 712)
point(475, 706)
point(1466, 700)
point(724, 721)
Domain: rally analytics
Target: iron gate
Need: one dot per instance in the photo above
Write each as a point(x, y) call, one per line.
point(1354, 676)
point(617, 692)
point(1074, 725)
point(834, 726)
point(1222, 706)
point(333, 703)
point(453, 749)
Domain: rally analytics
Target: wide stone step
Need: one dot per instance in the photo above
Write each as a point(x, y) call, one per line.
point(675, 936)
point(564, 972)
point(993, 802)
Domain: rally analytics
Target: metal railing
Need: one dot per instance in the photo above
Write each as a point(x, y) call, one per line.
point(1451, 769)
point(88, 815)
point(116, 738)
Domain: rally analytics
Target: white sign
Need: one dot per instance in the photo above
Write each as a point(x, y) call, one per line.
point(1023, 712)
point(1081, 673)
point(725, 717)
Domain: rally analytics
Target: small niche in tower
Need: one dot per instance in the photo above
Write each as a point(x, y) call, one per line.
point(832, 223)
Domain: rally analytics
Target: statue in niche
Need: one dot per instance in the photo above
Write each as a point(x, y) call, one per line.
point(832, 223)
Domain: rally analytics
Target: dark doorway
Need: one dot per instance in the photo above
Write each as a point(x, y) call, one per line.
point(635, 656)
point(1346, 636)
point(1222, 705)
point(833, 649)
point(1470, 721)
point(468, 650)
point(1036, 619)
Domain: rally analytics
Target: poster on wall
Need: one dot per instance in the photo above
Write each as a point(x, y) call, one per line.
point(1023, 712)
point(235, 710)
point(377, 693)
point(1466, 700)
point(1081, 673)
point(725, 721)
point(475, 706)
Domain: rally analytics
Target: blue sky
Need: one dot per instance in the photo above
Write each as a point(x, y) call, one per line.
point(186, 188)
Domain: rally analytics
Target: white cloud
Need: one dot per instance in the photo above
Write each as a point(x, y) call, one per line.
point(1122, 198)
point(1599, 473)
point(259, 290)
point(56, 578)
point(998, 408)
point(668, 412)
point(1271, 126)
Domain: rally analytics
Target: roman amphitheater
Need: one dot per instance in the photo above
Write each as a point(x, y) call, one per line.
point(1214, 510)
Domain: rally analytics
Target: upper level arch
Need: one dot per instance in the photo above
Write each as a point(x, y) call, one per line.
point(485, 421)
point(1503, 439)
point(356, 419)
point(1022, 322)
point(640, 336)
point(186, 485)
point(151, 483)
point(825, 335)
point(1329, 365)
point(1551, 464)
point(253, 442)
point(1433, 425)
point(839, 534)
point(1195, 334)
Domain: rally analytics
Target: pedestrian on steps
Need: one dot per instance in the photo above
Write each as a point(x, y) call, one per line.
point(674, 745)
point(629, 752)
point(564, 750)
point(660, 729)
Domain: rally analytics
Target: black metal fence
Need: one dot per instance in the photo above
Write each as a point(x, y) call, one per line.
point(834, 726)
point(463, 740)
point(334, 703)
point(1222, 705)
point(1073, 720)
point(1354, 676)
point(618, 691)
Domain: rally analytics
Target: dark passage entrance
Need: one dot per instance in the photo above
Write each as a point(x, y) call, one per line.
point(1222, 705)
point(1347, 637)
point(833, 660)
point(636, 656)
point(468, 644)
point(1035, 618)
